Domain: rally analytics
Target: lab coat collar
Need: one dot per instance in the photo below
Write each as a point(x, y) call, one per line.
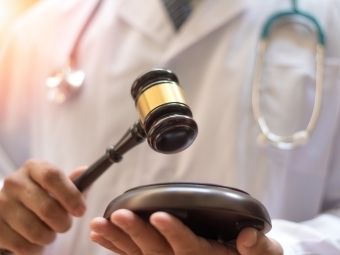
point(207, 18)
point(154, 21)
point(150, 18)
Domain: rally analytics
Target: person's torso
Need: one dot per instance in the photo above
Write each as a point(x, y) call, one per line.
point(213, 56)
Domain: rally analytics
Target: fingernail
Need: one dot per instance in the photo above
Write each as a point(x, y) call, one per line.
point(79, 211)
point(251, 240)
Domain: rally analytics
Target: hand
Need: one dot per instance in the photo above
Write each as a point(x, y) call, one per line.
point(37, 202)
point(126, 233)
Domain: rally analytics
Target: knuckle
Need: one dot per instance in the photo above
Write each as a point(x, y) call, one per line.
point(56, 217)
point(41, 236)
point(50, 237)
point(64, 225)
point(51, 174)
point(30, 163)
point(11, 182)
point(49, 209)
point(73, 200)
point(36, 236)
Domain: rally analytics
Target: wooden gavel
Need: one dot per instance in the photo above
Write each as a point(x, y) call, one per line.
point(165, 121)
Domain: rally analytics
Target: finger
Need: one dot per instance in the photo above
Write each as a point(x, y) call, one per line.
point(95, 237)
point(57, 183)
point(37, 200)
point(183, 240)
point(78, 171)
point(143, 234)
point(117, 237)
point(251, 241)
point(27, 224)
point(16, 243)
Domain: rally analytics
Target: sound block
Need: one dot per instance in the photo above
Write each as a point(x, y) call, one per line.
point(210, 211)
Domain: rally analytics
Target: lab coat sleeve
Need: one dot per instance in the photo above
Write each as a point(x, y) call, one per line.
point(318, 236)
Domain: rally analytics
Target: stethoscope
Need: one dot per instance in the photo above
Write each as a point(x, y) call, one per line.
point(302, 136)
point(63, 84)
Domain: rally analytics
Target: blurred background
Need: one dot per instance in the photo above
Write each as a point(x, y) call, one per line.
point(9, 11)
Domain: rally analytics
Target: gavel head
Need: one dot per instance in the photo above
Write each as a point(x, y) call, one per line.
point(164, 114)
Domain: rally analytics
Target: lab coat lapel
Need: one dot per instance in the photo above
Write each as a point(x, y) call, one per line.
point(209, 16)
point(149, 17)
point(152, 20)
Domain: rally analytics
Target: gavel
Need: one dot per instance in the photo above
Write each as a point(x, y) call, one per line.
point(209, 210)
point(165, 121)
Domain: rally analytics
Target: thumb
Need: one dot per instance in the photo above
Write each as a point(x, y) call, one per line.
point(252, 242)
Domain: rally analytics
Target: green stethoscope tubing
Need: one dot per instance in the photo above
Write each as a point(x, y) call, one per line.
point(300, 137)
point(295, 11)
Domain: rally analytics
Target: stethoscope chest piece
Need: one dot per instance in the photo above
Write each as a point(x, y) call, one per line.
point(64, 84)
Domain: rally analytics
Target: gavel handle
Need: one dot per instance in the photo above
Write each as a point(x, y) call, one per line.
point(96, 169)
point(134, 136)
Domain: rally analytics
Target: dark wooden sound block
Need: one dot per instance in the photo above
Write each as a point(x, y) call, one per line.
point(211, 211)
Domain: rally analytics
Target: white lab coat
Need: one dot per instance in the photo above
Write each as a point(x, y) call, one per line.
point(213, 56)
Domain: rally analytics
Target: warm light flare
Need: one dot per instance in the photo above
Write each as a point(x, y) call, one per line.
point(10, 9)
point(7, 12)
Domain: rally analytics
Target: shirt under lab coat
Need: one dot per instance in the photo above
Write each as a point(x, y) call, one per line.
point(213, 56)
